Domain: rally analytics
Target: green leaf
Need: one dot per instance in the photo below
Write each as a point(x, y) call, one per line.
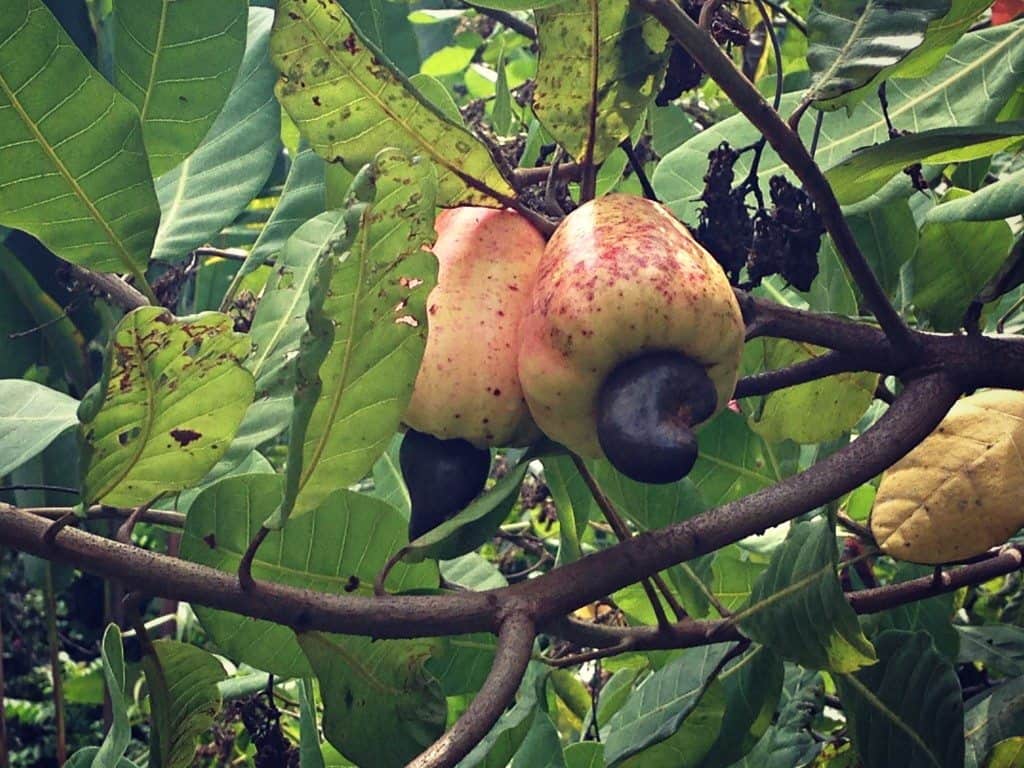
point(870, 168)
point(501, 116)
point(887, 236)
point(516, 5)
point(952, 263)
point(657, 710)
point(183, 697)
point(801, 588)
point(597, 67)
point(1000, 200)
point(73, 167)
point(735, 461)
point(31, 417)
point(464, 663)
point(310, 755)
point(735, 570)
point(120, 734)
point(338, 548)
point(988, 61)
point(993, 717)
point(906, 709)
point(853, 42)
point(386, 24)
point(388, 483)
point(473, 571)
point(839, 401)
point(752, 687)
point(1008, 753)
point(472, 526)
point(942, 34)
point(934, 615)
point(1000, 647)
point(496, 749)
point(207, 191)
point(175, 61)
point(584, 754)
point(831, 290)
point(367, 330)
point(789, 743)
point(573, 504)
point(350, 104)
point(381, 707)
point(172, 395)
point(541, 748)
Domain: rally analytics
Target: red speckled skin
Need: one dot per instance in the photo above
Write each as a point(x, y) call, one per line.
point(468, 385)
point(619, 277)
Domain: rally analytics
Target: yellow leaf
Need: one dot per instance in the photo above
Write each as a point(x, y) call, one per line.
point(959, 492)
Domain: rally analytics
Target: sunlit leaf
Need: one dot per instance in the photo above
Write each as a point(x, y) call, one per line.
point(31, 417)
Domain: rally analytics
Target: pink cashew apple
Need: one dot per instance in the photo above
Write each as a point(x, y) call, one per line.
point(624, 289)
point(468, 384)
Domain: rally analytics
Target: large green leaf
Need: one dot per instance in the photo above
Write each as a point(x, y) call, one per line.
point(942, 34)
point(1000, 200)
point(227, 170)
point(868, 169)
point(541, 748)
point(184, 700)
point(31, 417)
point(734, 571)
point(852, 42)
point(350, 103)
point(120, 734)
point(887, 236)
point(367, 330)
point(992, 717)
point(1000, 647)
point(73, 167)
point(175, 61)
point(464, 663)
point(338, 548)
point(573, 503)
point(988, 61)
point(905, 710)
point(657, 710)
point(839, 401)
point(801, 588)
point(172, 395)
point(386, 24)
point(597, 67)
point(381, 707)
point(953, 261)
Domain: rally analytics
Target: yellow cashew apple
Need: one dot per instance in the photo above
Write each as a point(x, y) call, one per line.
point(622, 279)
point(468, 385)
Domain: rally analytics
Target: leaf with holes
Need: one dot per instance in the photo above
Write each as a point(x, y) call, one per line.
point(868, 169)
point(228, 169)
point(988, 61)
point(183, 698)
point(73, 167)
point(338, 548)
point(957, 493)
point(801, 588)
point(839, 401)
point(172, 395)
point(175, 60)
point(598, 64)
point(367, 330)
point(31, 417)
point(853, 42)
point(350, 103)
point(381, 707)
point(905, 710)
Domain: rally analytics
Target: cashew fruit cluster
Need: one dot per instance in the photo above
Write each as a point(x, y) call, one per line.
point(632, 338)
point(958, 492)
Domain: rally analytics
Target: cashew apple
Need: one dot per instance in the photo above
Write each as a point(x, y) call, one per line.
point(468, 384)
point(622, 279)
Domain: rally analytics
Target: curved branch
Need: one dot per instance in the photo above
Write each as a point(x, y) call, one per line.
point(515, 646)
point(121, 294)
point(812, 369)
point(791, 149)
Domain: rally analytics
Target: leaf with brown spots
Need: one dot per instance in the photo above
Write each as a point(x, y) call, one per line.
point(172, 395)
point(349, 102)
point(367, 332)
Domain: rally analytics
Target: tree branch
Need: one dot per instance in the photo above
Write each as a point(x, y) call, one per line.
point(510, 20)
point(515, 646)
point(525, 177)
point(815, 368)
point(121, 293)
point(791, 150)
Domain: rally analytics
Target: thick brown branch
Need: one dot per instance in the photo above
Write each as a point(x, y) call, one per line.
point(121, 293)
point(515, 645)
point(791, 149)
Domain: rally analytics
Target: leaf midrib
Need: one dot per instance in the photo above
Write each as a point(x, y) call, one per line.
point(161, 28)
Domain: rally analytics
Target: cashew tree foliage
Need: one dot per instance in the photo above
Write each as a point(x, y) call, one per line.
point(512, 382)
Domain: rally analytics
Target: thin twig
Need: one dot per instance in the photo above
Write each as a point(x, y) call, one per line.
point(504, 17)
point(862, 531)
point(164, 517)
point(823, 366)
point(53, 643)
point(638, 169)
point(121, 293)
point(791, 17)
point(592, 655)
point(515, 645)
point(124, 532)
point(525, 177)
point(245, 579)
